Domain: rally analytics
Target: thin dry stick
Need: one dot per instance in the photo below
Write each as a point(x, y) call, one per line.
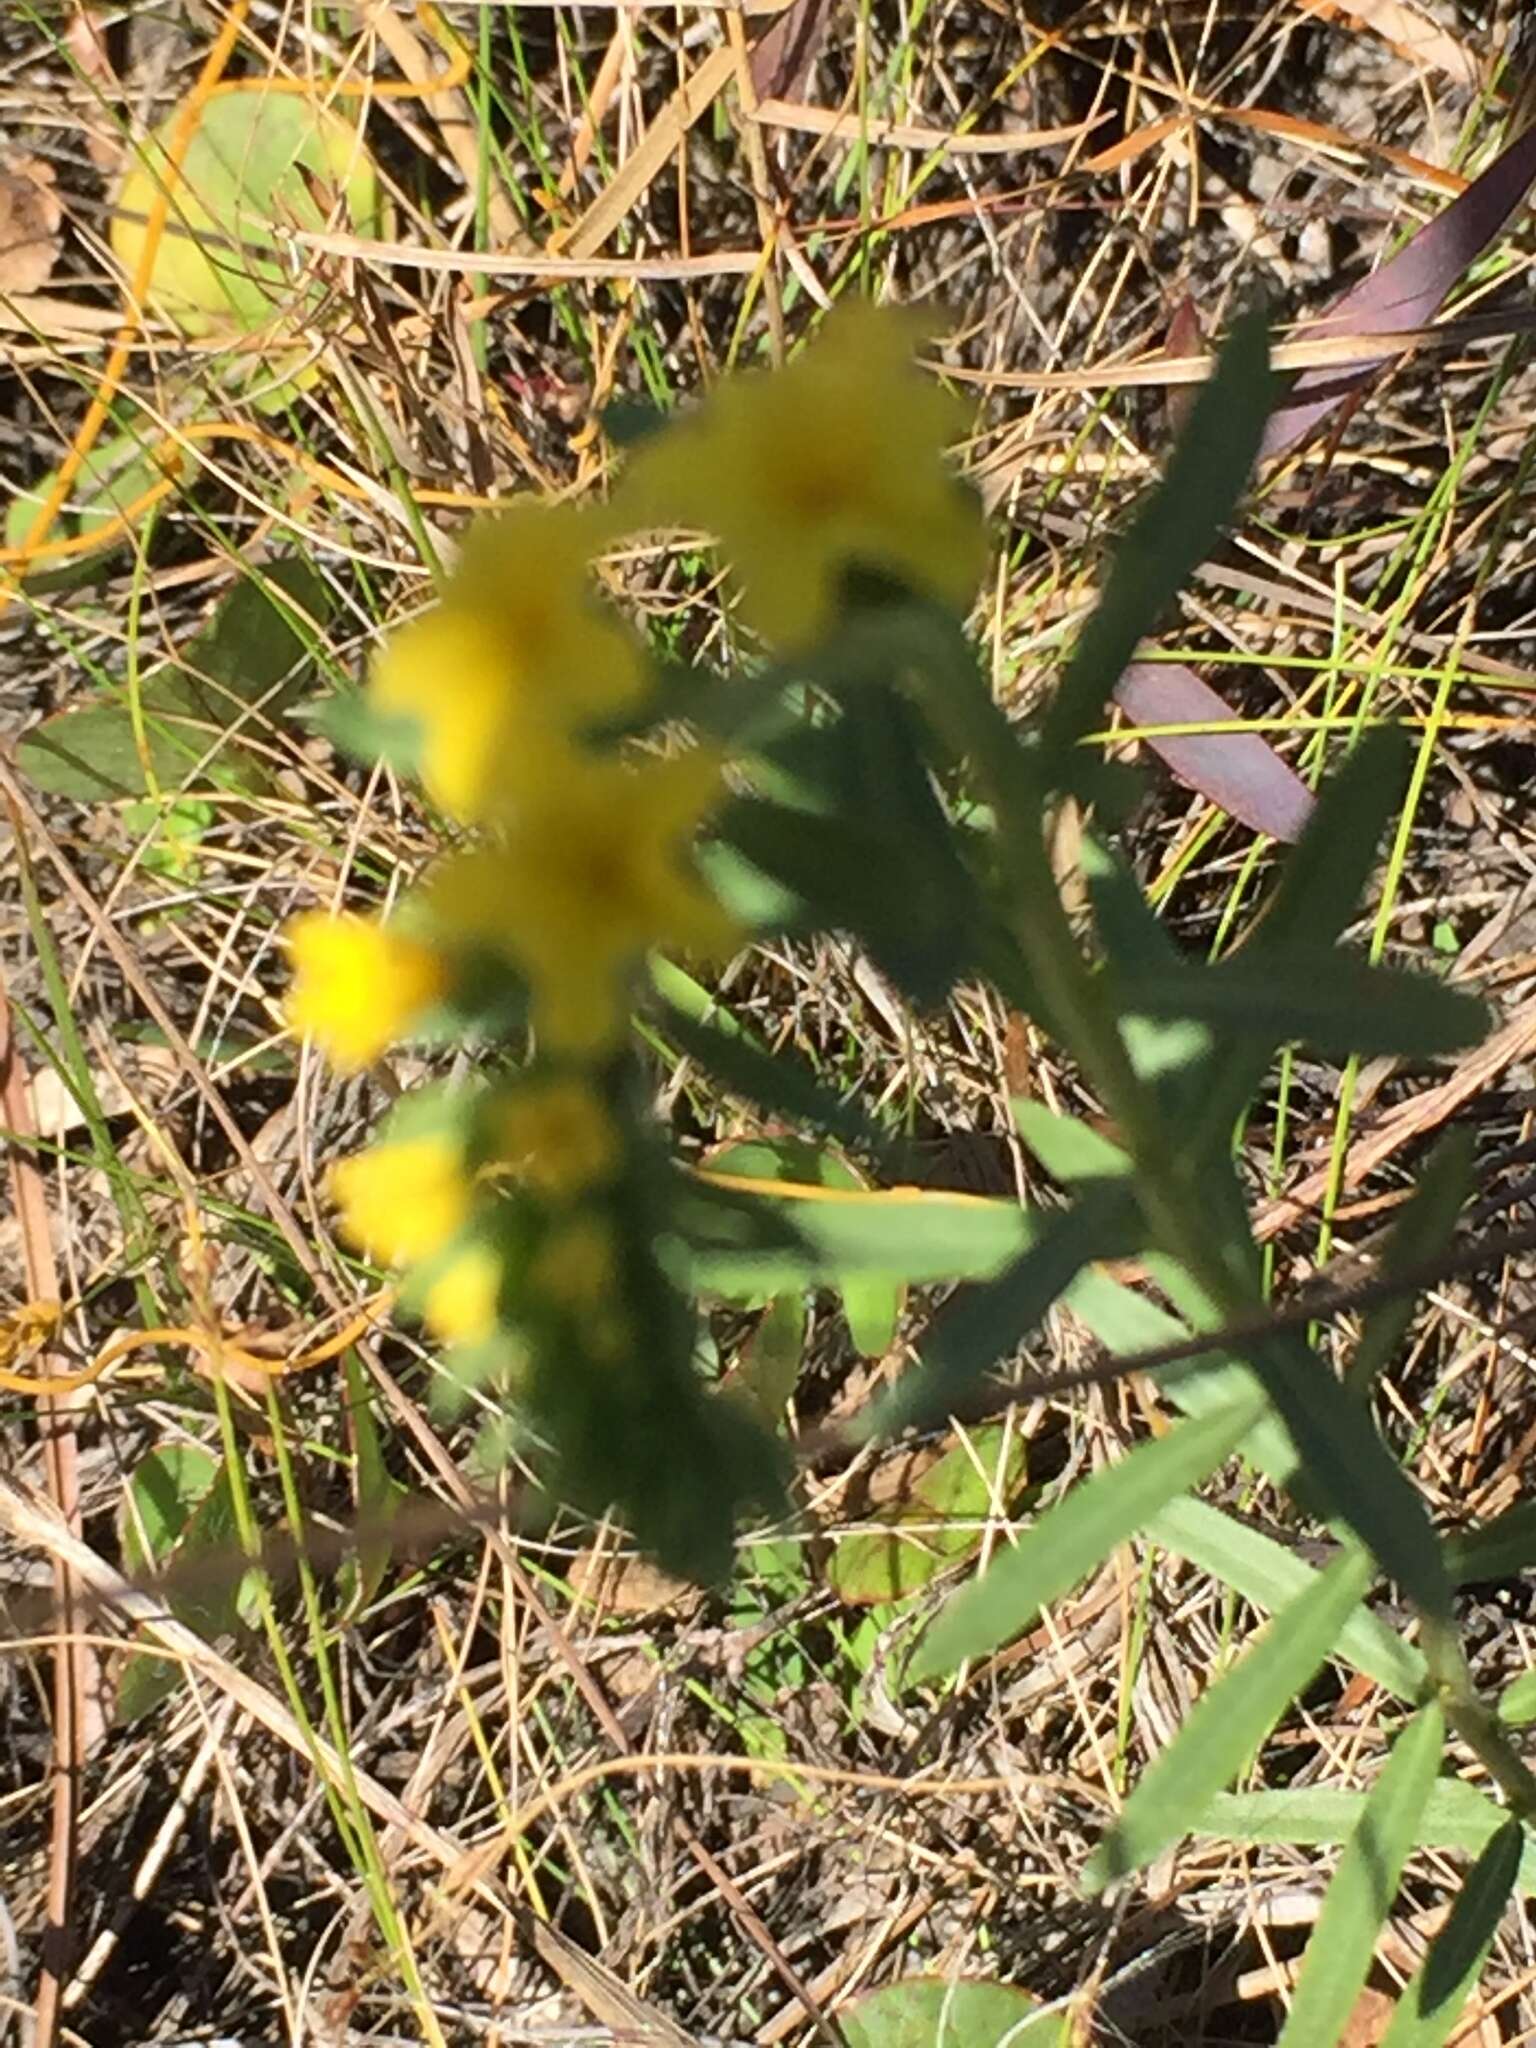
point(74, 1666)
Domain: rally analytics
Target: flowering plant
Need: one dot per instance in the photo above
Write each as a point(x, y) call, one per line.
point(866, 782)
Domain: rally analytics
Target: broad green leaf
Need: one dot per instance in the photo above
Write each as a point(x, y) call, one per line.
point(872, 1304)
point(1172, 535)
point(1328, 1000)
point(987, 1324)
point(1434, 2000)
point(1456, 1816)
point(928, 2012)
point(768, 1367)
point(1364, 1887)
point(1498, 1550)
point(936, 1523)
point(259, 646)
point(916, 916)
point(1068, 1147)
point(1423, 1229)
point(1229, 1722)
point(1517, 1702)
point(1269, 1575)
point(1074, 1536)
point(91, 754)
point(762, 1238)
point(256, 160)
point(114, 476)
point(165, 1490)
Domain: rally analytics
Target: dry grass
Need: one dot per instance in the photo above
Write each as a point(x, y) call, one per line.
point(231, 1873)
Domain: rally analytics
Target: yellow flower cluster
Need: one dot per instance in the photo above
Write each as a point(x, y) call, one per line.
point(580, 862)
point(833, 463)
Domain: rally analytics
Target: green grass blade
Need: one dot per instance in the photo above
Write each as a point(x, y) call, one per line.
point(1074, 1536)
point(1229, 1722)
point(1422, 1231)
point(1433, 2002)
point(1364, 1886)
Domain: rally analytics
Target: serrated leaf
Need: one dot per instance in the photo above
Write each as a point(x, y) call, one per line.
point(928, 2012)
point(1435, 1998)
point(937, 1524)
point(1074, 1536)
point(1172, 535)
point(1361, 1894)
point(1229, 1722)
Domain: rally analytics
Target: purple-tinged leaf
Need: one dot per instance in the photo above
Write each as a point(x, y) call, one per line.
point(1240, 771)
point(1405, 293)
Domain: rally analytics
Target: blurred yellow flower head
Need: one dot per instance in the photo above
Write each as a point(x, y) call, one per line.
point(459, 1306)
point(402, 1200)
point(555, 1132)
point(584, 881)
point(514, 661)
point(836, 461)
point(358, 985)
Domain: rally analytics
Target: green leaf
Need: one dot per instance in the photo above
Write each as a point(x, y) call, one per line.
point(928, 2012)
point(770, 1239)
point(1456, 1816)
point(1066, 1146)
point(1326, 999)
point(1173, 534)
point(780, 1082)
point(872, 1303)
point(164, 1491)
point(114, 475)
point(1424, 1227)
point(260, 644)
point(1364, 1886)
point(1269, 1575)
point(1434, 2000)
point(988, 1323)
point(1517, 1702)
point(1498, 1550)
point(256, 159)
point(767, 1369)
point(1325, 874)
point(908, 900)
point(91, 754)
point(1229, 1722)
point(937, 1523)
point(1074, 1536)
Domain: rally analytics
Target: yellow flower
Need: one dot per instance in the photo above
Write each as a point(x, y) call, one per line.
point(555, 1131)
point(403, 1199)
point(513, 661)
point(583, 883)
point(577, 1267)
point(460, 1304)
point(836, 460)
point(358, 985)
